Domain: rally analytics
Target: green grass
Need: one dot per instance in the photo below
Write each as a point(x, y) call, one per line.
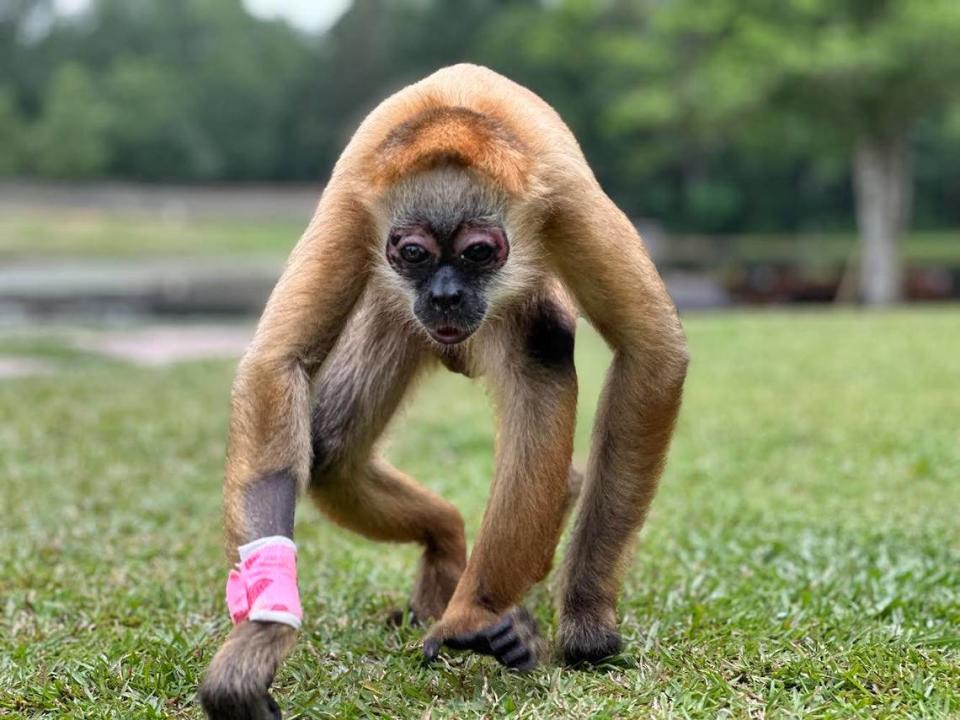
point(802, 558)
point(66, 233)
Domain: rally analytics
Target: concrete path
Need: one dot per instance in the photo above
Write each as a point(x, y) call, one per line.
point(166, 344)
point(145, 286)
point(147, 345)
point(24, 366)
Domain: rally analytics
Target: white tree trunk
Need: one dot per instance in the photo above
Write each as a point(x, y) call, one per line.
point(883, 188)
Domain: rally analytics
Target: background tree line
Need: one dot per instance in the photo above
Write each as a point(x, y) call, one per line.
point(710, 115)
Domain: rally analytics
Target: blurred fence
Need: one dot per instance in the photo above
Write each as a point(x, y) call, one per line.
point(255, 201)
point(162, 257)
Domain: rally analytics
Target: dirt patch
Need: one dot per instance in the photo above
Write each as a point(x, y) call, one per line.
point(17, 367)
point(164, 345)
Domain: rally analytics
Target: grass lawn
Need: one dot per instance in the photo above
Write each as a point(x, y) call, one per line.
point(802, 558)
point(89, 233)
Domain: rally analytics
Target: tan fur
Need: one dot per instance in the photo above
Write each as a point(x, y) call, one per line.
point(382, 503)
point(323, 340)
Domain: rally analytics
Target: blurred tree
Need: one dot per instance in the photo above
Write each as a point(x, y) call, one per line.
point(154, 133)
point(375, 48)
point(710, 115)
point(20, 23)
point(70, 139)
point(856, 74)
point(11, 129)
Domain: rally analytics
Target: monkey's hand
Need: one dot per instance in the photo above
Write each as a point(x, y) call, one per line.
point(236, 685)
point(264, 603)
point(513, 640)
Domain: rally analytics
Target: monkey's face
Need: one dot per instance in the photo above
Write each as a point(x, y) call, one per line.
point(448, 277)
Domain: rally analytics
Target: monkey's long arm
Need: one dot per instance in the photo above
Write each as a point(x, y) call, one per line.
point(536, 400)
point(602, 260)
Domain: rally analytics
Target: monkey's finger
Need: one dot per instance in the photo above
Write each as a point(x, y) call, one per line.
point(504, 643)
point(515, 650)
point(431, 649)
point(520, 658)
point(500, 628)
point(481, 641)
point(517, 645)
point(399, 617)
point(471, 641)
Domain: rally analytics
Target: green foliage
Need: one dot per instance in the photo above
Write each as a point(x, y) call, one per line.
point(154, 133)
point(11, 130)
point(70, 140)
point(801, 560)
point(721, 80)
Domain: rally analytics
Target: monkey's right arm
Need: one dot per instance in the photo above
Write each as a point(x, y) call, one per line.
point(268, 460)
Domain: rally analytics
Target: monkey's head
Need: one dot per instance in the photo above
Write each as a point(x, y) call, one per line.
point(449, 275)
point(447, 246)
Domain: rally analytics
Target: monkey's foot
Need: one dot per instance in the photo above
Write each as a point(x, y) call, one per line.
point(259, 707)
point(437, 578)
point(513, 640)
point(398, 617)
point(587, 641)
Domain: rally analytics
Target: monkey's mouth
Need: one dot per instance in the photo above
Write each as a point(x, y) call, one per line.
point(449, 335)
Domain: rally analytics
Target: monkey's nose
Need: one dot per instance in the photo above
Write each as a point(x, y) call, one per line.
point(446, 299)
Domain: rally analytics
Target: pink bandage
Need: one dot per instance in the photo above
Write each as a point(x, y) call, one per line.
point(263, 585)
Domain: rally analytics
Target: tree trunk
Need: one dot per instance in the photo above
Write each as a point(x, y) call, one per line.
point(883, 188)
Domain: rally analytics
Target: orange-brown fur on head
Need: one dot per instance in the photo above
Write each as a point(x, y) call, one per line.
point(450, 134)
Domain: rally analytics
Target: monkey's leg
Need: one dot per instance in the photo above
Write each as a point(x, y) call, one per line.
point(357, 392)
point(535, 393)
point(382, 503)
point(592, 239)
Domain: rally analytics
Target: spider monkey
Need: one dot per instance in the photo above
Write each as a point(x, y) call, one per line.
point(463, 226)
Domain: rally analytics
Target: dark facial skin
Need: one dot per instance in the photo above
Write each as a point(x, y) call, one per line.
point(449, 275)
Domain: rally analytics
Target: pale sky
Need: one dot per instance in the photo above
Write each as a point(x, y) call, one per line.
point(312, 15)
point(306, 14)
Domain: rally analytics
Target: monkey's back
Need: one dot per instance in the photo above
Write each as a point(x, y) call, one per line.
point(471, 116)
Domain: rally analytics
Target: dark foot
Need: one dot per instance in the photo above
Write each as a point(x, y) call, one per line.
point(237, 684)
point(436, 581)
point(513, 640)
point(226, 706)
point(585, 642)
point(399, 617)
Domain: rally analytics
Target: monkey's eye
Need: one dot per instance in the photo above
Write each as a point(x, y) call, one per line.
point(478, 253)
point(414, 253)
